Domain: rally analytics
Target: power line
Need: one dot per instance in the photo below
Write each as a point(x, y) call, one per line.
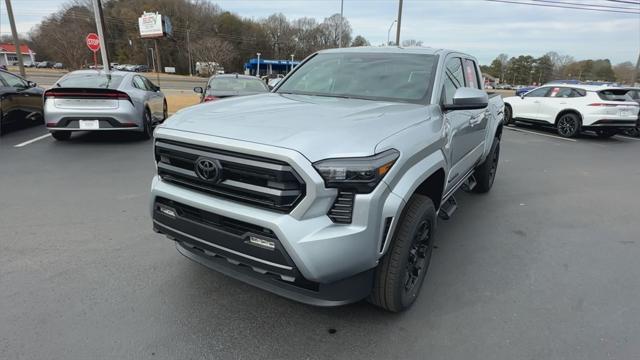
point(626, 2)
point(564, 7)
point(588, 5)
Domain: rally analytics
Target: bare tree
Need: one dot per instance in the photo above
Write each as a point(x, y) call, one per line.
point(360, 41)
point(331, 31)
point(214, 50)
point(278, 32)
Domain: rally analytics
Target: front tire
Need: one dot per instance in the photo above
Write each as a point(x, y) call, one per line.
point(508, 115)
point(402, 270)
point(61, 135)
point(568, 125)
point(485, 174)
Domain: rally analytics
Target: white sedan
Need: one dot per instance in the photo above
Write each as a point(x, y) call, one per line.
point(572, 108)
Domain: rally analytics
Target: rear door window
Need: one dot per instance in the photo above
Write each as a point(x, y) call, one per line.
point(471, 74)
point(138, 83)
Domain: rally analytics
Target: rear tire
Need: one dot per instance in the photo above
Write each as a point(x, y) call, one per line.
point(61, 135)
point(402, 270)
point(485, 174)
point(633, 132)
point(568, 125)
point(165, 111)
point(147, 128)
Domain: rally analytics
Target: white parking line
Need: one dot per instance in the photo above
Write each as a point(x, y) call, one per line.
point(32, 140)
point(541, 134)
point(628, 138)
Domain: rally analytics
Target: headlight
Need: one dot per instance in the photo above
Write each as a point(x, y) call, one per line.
point(359, 174)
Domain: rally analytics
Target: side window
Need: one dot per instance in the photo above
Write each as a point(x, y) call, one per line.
point(453, 79)
point(150, 86)
point(138, 83)
point(471, 74)
point(562, 93)
point(13, 81)
point(539, 92)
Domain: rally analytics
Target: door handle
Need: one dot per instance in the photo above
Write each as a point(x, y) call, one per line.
point(476, 119)
point(536, 102)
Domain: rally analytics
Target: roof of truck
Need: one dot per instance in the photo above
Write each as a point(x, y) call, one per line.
point(389, 49)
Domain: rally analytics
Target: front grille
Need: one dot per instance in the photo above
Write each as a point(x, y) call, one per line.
point(261, 182)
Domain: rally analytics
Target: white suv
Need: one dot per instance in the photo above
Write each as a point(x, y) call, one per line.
point(572, 108)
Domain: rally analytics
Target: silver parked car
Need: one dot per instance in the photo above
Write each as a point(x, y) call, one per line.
point(90, 100)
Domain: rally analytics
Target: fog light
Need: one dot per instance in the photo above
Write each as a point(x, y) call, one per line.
point(167, 211)
point(263, 243)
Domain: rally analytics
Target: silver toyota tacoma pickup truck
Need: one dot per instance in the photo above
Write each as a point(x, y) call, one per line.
point(327, 190)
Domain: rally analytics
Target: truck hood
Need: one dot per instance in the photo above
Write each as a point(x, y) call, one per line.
point(317, 127)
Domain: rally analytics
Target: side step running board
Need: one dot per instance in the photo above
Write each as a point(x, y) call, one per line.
point(469, 184)
point(448, 208)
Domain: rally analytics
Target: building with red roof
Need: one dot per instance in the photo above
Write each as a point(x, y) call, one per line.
point(8, 54)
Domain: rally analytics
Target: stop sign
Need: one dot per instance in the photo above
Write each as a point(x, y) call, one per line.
point(93, 42)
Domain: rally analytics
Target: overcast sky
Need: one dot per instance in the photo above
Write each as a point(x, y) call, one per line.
point(479, 27)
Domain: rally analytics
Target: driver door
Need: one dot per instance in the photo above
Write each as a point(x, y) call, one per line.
point(529, 106)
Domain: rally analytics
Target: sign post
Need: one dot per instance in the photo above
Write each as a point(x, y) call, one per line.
point(93, 43)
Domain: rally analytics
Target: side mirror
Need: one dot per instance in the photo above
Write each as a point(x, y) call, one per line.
point(468, 99)
point(522, 96)
point(31, 84)
point(157, 88)
point(198, 89)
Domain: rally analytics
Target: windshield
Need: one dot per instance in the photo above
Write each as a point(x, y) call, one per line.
point(91, 81)
point(231, 84)
point(372, 76)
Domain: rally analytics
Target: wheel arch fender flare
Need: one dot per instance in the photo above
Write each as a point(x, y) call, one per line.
point(567, 111)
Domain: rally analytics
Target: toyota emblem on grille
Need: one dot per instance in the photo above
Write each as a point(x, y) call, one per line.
point(208, 169)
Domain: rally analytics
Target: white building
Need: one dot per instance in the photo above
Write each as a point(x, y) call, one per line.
point(8, 54)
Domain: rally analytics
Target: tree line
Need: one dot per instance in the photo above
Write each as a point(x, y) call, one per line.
point(211, 33)
point(526, 70)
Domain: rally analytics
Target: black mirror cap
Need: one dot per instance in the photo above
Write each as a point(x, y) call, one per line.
point(198, 89)
point(31, 84)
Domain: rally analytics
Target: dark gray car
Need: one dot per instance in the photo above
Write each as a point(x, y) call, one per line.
point(227, 85)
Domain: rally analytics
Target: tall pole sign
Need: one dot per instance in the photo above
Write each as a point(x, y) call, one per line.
point(93, 43)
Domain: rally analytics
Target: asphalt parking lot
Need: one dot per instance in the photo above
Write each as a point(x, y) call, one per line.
point(543, 267)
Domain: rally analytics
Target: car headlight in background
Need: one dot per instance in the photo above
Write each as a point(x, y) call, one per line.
point(361, 175)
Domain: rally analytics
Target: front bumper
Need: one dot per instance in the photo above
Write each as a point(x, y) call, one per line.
point(328, 262)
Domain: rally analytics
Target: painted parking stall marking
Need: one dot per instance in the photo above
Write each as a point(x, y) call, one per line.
point(32, 140)
point(541, 134)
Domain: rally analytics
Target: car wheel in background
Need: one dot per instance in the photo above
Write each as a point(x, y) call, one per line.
point(568, 125)
point(633, 132)
point(147, 127)
point(61, 135)
point(485, 174)
point(165, 111)
point(402, 270)
point(508, 115)
point(605, 133)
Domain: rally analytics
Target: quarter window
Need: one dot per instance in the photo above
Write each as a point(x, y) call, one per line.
point(13, 81)
point(139, 83)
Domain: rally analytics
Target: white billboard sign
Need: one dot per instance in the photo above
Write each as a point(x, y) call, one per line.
point(150, 25)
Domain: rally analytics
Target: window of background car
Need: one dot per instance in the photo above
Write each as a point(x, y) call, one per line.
point(89, 80)
point(138, 83)
point(232, 84)
point(471, 74)
point(370, 76)
point(539, 92)
point(615, 95)
point(13, 81)
point(453, 79)
point(634, 94)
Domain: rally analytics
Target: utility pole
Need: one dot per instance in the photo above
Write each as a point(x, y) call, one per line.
point(189, 51)
point(340, 27)
point(14, 32)
point(399, 21)
point(159, 70)
point(97, 10)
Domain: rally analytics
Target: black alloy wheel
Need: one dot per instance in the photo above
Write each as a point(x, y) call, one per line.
point(568, 125)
